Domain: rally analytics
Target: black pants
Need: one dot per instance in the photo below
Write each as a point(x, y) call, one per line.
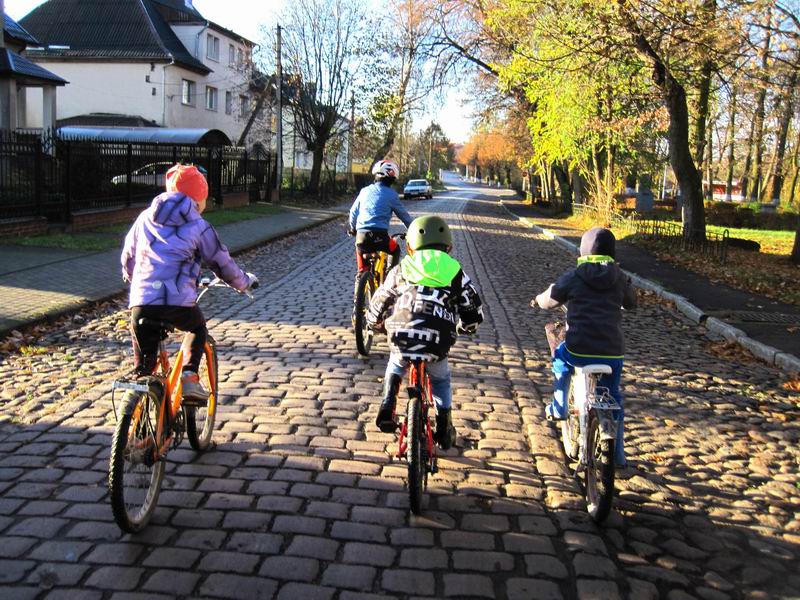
point(145, 338)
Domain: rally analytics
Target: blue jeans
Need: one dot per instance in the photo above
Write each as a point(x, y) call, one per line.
point(438, 372)
point(563, 363)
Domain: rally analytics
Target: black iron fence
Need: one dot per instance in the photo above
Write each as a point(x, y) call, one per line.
point(49, 175)
point(664, 231)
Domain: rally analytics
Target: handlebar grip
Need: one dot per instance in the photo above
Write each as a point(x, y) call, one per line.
point(254, 285)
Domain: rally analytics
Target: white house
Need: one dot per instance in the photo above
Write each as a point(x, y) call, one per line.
point(155, 62)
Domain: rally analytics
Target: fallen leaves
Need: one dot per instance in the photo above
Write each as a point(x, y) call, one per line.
point(792, 385)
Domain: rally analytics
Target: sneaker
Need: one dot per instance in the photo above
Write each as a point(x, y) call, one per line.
point(445, 434)
point(193, 392)
point(385, 419)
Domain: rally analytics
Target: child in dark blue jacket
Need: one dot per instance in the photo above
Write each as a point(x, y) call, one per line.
point(595, 293)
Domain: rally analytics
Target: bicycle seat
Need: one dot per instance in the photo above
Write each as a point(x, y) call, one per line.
point(155, 324)
point(595, 369)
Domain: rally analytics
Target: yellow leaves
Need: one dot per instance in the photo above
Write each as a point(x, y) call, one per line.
point(792, 385)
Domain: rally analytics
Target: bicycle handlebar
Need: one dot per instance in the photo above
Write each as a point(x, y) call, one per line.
point(206, 283)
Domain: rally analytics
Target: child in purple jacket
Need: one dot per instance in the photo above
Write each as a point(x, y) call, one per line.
point(161, 259)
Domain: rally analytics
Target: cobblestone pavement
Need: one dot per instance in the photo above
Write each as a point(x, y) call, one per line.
point(301, 498)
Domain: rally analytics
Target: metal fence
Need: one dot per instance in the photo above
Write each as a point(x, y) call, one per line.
point(664, 231)
point(44, 174)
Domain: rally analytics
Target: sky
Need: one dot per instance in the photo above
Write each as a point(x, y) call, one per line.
point(246, 17)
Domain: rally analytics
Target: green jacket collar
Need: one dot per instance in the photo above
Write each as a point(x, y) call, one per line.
point(432, 268)
point(595, 258)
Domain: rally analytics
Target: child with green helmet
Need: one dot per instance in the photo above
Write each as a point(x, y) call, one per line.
point(423, 304)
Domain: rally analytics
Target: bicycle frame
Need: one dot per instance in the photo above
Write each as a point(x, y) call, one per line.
point(418, 377)
point(589, 396)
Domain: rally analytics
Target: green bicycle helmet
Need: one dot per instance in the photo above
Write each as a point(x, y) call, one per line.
point(428, 230)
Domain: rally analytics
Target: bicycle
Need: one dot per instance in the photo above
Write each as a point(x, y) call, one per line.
point(415, 442)
point(154, 418)
point(368, 283)
point(589, 432)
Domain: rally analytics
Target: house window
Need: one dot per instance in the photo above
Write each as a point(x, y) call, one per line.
point(187, 92)
point(243, 106)
point(228, 103)
point(212, 47)
point(211, 98)
point(231, 54)
point(239, 56)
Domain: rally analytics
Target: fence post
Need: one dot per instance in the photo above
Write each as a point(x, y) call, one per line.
point(68, 180)
point(128, 170)
point(37, 178)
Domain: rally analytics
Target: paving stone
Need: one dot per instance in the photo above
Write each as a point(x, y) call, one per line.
point(349, 576)
point(50, 575)
point(592, 589)
point(238, 587)
point(424, 558)
point(171, 558)
point(547, 566)
point(115, 578)
point(523, 589)
point(12, 571)
point(228, 562)
point(313, 547)
point(460, 585)
point(369, 554)
point(290, 568)
point(408, 581)
point(290, 591)
point(176, 583)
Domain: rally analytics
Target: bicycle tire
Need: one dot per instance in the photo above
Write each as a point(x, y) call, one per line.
point(132, 508)
point(416, 451)
point(600, 472)
point(200, 437)
point(363, 297)
point(570, 427)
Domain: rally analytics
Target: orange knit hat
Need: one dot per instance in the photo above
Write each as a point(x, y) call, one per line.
point(187, 180)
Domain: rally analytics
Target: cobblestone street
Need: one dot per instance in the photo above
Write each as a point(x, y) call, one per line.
point(302, 498)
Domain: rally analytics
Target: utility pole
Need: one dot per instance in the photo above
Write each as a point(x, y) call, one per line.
point(352, 180)
point(276, 194)
point(430, 151)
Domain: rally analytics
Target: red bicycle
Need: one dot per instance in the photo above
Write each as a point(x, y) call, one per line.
point(416, 443)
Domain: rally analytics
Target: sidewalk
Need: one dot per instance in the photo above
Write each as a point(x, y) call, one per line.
point(36, 283)
point(770, 322)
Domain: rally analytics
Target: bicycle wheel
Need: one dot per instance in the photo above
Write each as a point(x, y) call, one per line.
point(570, 427)
point(135, 474)
point(363, 297)
point(200, 419)
point(599, 471)
point(417, 461)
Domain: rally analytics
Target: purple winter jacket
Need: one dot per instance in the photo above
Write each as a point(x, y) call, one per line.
point(163, 251)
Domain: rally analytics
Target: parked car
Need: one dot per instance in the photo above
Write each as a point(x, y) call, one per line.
point(153, 174)
point(418, 188)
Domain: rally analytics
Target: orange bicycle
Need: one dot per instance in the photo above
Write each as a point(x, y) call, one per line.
point(152, 419)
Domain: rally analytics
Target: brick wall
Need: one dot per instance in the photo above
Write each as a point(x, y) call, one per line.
point(236, 199)
point(89, 219)
point(15, 227)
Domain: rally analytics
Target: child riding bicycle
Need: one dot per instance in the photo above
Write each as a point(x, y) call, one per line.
point(423, 304)
point(370, 215)
point(161, 260)
point(595, 294)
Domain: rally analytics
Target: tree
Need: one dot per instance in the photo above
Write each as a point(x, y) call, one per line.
point(323, 48)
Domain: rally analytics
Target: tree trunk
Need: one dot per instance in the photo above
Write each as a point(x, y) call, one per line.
point(316, 169)
point(702, 115)
point(796, 163)
point(758, 118)
point(709, 161)
point(731, 147)
point(680, 155)
point(796, 249)
point(783, 132)
point(397, 114)
point(745, 181)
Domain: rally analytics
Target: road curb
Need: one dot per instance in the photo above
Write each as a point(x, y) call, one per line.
point(773, 356)
point(77, 306)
